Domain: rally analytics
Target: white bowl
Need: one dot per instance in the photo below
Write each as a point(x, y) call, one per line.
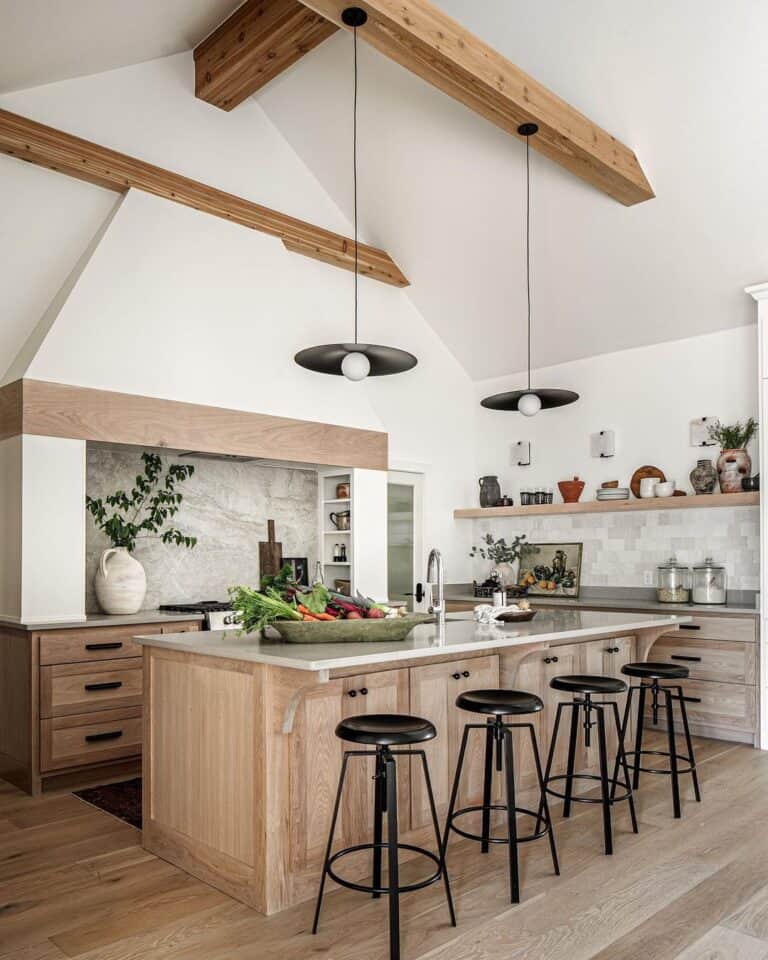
point(665, 489)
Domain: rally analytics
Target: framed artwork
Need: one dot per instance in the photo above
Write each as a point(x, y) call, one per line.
point(300, 568)
point(551, 569)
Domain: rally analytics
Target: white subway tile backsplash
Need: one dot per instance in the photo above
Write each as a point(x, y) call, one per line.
point(620, 547)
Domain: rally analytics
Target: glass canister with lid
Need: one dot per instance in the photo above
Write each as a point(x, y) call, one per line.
point(673, 582)
point(710, 582)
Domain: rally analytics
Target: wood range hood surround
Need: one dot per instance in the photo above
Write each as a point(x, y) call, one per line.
point(44, 408)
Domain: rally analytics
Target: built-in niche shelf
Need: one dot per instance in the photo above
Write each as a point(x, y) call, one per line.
point(614, 506)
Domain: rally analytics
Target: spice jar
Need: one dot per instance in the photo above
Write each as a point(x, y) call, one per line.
point(673, 582)
point(709, 582)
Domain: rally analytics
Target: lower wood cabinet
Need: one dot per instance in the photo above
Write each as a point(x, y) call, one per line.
point(91, 738)
point(605, 658)
point(434, 689)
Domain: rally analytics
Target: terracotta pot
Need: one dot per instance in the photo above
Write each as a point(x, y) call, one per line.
point(571, 490)
point(120, 582)
point(732, 467)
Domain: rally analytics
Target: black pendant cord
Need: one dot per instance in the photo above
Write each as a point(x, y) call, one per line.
point(528, 244)
point(354, 168)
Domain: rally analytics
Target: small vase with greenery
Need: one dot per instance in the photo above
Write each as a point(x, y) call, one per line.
point(142, 514)
point(734, 463)
point(503, 555)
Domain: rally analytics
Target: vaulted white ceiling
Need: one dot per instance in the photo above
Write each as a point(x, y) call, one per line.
point(442, 190)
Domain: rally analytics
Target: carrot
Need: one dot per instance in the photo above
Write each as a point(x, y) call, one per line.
point(325, 616)
point(308, 618)
point(302, 609)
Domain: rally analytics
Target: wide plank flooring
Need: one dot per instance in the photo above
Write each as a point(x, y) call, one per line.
point(74, 882)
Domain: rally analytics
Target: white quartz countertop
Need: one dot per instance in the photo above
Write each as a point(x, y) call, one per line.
point(103, 620)
point(460, 635)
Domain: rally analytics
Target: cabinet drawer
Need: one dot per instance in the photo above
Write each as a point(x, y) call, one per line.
point(459, 606)
point(90, 738)
point(720, 628)
point(728, 706)
point(71, 688)
point(74, 646)
point(719, 660)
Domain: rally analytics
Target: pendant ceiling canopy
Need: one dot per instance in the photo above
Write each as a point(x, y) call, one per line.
point(529, 401)
point(355, 361)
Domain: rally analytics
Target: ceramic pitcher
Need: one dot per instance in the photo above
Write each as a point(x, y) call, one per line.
point(120, 582)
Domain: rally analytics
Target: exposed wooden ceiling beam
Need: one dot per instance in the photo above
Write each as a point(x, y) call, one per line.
point(260, 40)
point(56, 150)
point(429, 43)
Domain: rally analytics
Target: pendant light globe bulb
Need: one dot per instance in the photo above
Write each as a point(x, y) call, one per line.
point(355, 366)
point(529, 404)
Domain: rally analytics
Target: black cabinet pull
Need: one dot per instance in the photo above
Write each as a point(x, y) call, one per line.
point(465, 673)
point(111, 735)
point(547, 659)
point(690, 626)
point(679, 656)
point(456, 676)
point(109, 685)
point(353, 693)
point(555, 659)
point(104, 646)
point(692, 699)
point(364, 691)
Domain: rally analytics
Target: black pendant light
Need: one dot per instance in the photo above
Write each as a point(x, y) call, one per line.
point(529, 401)
point(355, 361)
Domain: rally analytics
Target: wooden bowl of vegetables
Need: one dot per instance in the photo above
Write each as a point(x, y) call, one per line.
point(318, 615)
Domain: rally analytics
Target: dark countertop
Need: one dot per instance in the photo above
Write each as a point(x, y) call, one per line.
point(103, 620)
point(618, 603)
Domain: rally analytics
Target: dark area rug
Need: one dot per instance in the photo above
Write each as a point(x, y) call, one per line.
point(122, 800)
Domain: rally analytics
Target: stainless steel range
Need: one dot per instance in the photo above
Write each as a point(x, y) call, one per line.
point(217, 615)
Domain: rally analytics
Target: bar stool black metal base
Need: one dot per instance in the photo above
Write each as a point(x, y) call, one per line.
point(608, 785)
point(385, 806)
point(670, 694)
point(500, 733)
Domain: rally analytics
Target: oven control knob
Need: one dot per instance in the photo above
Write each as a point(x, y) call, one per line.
point(229, 620)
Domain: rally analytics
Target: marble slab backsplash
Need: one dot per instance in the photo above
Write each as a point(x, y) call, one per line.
point(226, 506)
point(619, 548)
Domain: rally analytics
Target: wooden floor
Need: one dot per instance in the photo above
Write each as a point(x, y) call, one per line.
point(74, 882)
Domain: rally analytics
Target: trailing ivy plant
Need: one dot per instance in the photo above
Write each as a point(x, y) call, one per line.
point(144, 513)
point(499, 551)
point(734, 436)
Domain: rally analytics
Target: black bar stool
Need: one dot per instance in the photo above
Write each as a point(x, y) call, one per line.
point(584, 688)
point(650, 676)
point(499, 704)
point(385, 731)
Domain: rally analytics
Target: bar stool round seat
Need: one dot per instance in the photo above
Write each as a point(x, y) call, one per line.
point(585, 683)
point(499, 703)
point(386, 730)
point(385, 739)
point(655, 671)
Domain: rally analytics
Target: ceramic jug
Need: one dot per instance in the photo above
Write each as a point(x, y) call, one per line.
point(120, 582)
point(490, 491)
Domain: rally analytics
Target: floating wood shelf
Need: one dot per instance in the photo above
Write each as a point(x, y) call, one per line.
point(614, 506)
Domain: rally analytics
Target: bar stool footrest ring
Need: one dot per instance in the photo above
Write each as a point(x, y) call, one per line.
point(618, 784)
point(369, 888)
point(536, 835)
point(659, 753)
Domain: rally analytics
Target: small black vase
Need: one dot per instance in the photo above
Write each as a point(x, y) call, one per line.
point(490, 491)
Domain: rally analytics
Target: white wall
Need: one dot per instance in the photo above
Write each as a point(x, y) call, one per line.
point(648, 396)
point(53, 531)
point(10, 528)
point(175, 303)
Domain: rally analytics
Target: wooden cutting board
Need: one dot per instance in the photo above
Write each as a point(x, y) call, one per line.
point(641, 473)
point(270, 553)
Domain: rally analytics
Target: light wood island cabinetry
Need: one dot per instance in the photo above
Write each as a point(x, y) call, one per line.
point(241, 761)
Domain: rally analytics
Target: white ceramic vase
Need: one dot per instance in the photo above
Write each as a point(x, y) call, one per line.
point(120, 582)
point(508, 572)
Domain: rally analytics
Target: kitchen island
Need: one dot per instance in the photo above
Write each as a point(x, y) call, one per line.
point(240, 757)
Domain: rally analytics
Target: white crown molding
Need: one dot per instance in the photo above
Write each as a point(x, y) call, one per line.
point(758, 290)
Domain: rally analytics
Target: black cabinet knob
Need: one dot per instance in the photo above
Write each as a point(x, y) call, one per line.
point(456, 676)
point(554, 659)
point(465, 673)
point(353, 693)
point(547, 659)
point(364, 690)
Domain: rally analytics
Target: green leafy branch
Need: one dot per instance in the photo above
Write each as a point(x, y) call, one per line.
point(733, 436)
point(499, 551)
point(145, 511)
